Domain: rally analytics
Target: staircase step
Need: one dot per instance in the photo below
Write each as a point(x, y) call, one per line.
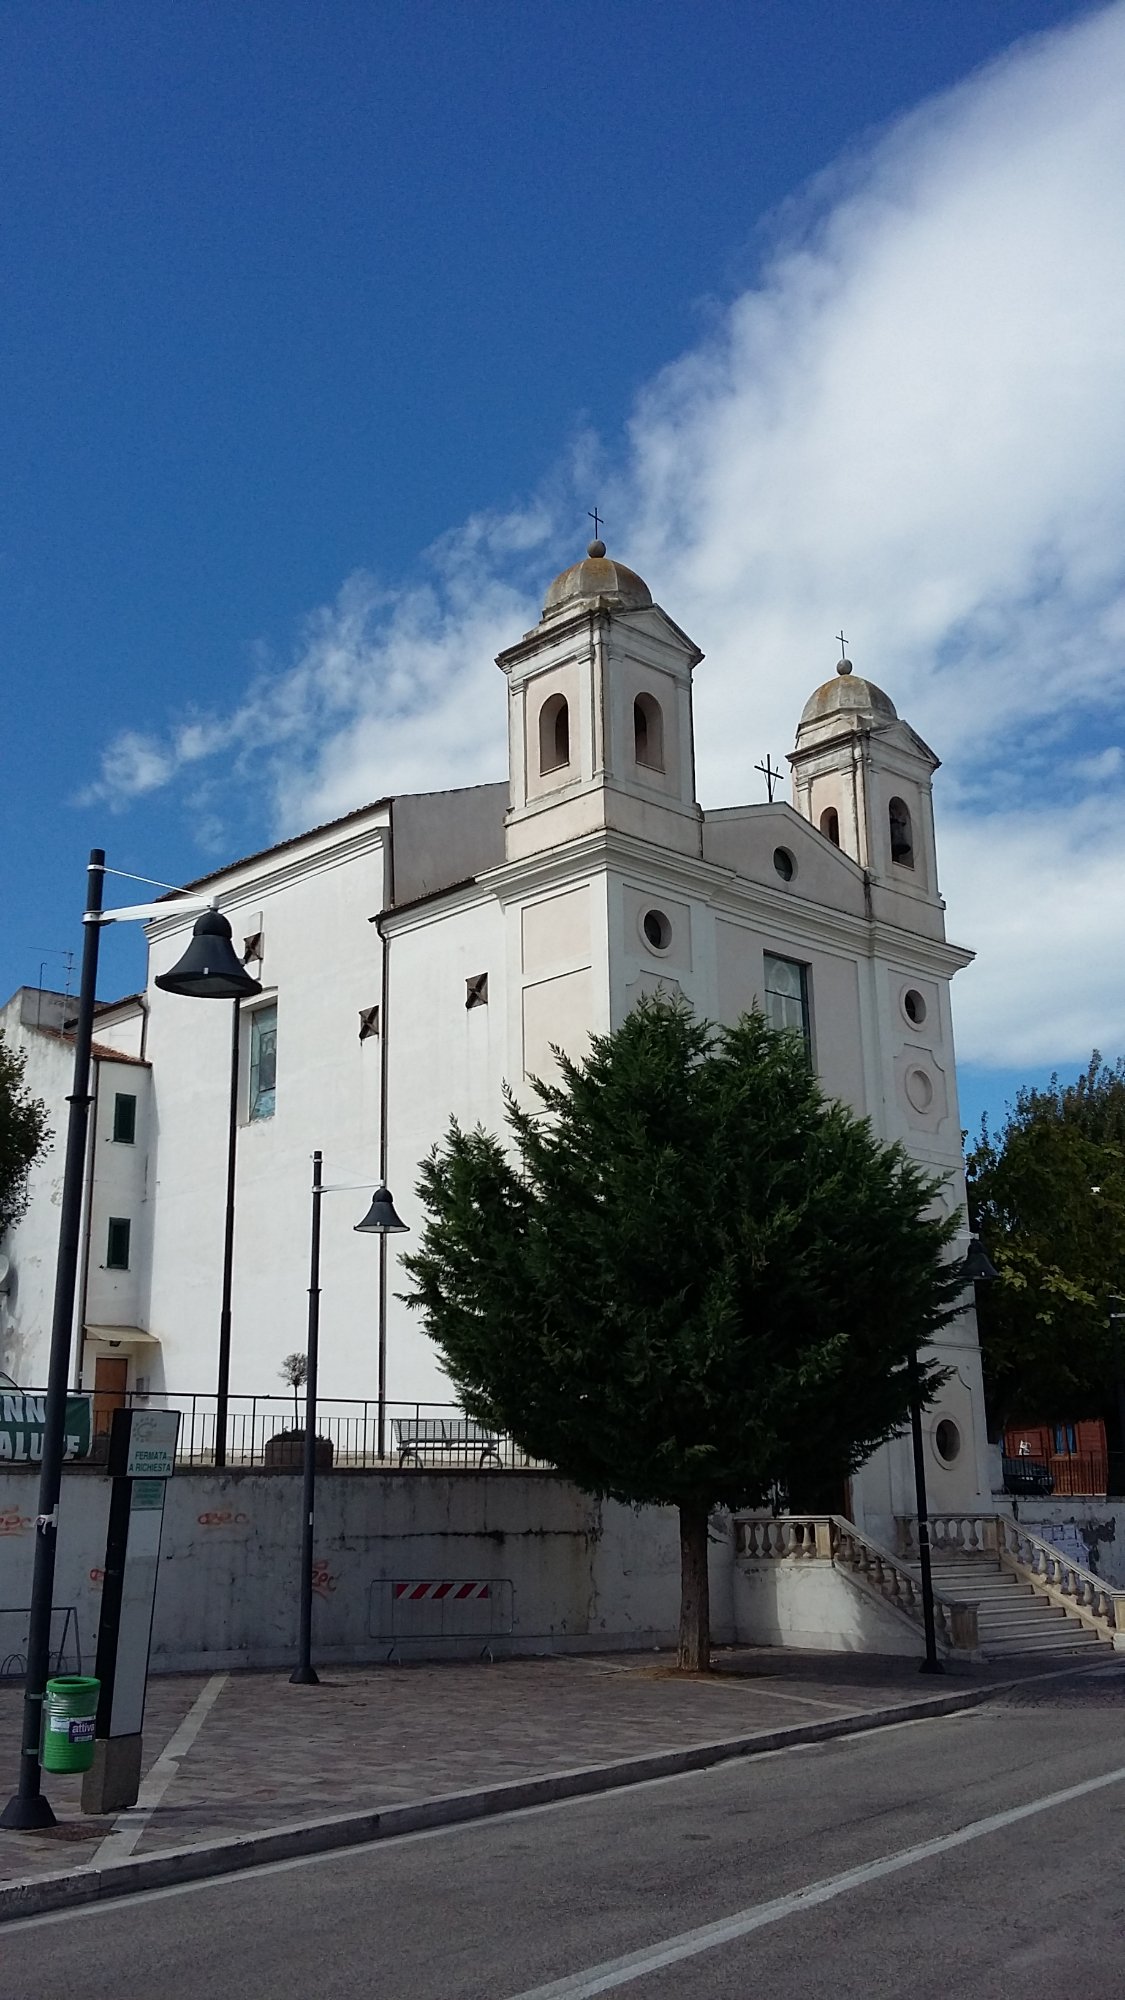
point(1056, 1641)
point(1033, 1621)
point(985, 1593)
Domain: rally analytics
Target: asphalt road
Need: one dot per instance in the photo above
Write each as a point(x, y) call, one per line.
point(1019, 1892)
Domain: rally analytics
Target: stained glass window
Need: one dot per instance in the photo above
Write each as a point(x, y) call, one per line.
point(263, 1062)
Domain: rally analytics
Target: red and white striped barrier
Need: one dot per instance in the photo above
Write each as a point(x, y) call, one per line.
point(416, 1593)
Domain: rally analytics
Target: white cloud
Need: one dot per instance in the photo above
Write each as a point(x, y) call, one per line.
point(914, 422)
point(1107, 763)
point(1039, 895)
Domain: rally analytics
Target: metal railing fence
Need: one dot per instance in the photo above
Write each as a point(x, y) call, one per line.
point(1075, 1475)
point(268, 1431)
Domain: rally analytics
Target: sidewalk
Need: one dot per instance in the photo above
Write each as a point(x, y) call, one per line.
point(236, 1755)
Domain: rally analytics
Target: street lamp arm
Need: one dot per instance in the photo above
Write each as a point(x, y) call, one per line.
point(140, 912)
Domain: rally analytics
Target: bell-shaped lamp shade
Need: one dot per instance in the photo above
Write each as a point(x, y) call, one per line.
point(381, 1218)
point(209, 969)
point(978, 1267)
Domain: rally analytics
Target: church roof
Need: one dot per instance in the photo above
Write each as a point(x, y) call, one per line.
point(597, 576)
point(847, 694)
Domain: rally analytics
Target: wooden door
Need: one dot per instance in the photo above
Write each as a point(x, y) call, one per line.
point(111, 1378)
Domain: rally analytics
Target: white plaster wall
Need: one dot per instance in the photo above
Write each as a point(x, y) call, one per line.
point(119, 1187)
point(446, 1061)
point(322, 963)
point(815, 1607)
point(32, 1246)
point(743, 838)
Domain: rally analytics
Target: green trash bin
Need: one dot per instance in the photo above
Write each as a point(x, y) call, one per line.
point(69, 1711)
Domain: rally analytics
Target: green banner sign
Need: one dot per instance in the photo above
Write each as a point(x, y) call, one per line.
point(22, 1416)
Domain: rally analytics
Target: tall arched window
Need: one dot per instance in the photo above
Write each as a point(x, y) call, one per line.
point(554, 734)
point(648, 732)
point(830, 825)
point(902, 839)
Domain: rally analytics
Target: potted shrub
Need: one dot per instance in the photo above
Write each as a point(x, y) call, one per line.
point(285, 1451)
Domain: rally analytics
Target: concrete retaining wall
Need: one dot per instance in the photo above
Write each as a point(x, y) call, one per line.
point(585, 1574)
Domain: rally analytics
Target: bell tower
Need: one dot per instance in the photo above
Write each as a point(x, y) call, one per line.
point(865, 779)
point(599, 716)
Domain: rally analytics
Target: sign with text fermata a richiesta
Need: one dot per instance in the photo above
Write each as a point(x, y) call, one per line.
point(152, 1444)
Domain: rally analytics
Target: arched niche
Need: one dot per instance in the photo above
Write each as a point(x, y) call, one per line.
point(830, 825)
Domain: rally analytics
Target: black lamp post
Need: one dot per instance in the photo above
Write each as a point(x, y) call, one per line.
point(219, 976)
point(976, 1269)
point(380, 1220)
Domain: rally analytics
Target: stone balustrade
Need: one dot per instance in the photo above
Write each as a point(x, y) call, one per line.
point(829, 1538)
point(1048, 1569)
point(950, 1534)
point(1054, 1573)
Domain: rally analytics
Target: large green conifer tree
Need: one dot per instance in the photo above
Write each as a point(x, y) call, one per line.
point(690, 1280)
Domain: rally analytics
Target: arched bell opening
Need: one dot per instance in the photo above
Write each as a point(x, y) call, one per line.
point(554, 734)
point(901, 832)
point(648, 732)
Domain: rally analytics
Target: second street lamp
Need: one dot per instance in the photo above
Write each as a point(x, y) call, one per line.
point(381, 1220)
point(976, 1269)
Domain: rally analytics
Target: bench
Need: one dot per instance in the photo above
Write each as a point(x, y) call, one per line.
point(433, 1438)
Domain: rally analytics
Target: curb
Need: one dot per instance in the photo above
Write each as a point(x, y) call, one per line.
point(38, 1896)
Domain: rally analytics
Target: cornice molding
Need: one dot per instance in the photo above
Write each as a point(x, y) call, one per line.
point(290, 868)
point(728, 893)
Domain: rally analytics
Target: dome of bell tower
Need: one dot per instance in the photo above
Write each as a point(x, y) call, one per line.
point(847, 694)
point(597, 578)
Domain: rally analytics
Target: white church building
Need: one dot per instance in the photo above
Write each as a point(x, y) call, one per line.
point(421, 952)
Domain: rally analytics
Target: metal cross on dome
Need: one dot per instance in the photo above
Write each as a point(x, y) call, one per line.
point(771, 776)
point(596, 518)
point(843, 644)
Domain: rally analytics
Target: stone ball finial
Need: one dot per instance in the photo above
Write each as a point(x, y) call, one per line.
point(843, 666)
point(595, 549)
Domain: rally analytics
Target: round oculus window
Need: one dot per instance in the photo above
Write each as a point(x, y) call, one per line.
point(947, 1441)
point(784, 863)
point(914, 1007)
point(656, 929)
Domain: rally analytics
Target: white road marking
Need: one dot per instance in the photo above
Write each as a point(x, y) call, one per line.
point(637, 1964)
point(130, 1827)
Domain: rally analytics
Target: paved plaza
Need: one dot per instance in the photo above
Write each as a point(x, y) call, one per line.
point(231, 1755)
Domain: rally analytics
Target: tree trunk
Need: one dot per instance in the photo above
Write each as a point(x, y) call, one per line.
point(695, 1602)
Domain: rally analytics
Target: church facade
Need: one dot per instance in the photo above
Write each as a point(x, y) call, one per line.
point(420, 953)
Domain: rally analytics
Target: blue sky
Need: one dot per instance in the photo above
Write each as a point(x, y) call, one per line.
point(323, 328)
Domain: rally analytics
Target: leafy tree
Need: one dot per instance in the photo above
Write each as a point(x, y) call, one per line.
point(24, 1134)
point(1048, 1197)
point(695, 1280)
